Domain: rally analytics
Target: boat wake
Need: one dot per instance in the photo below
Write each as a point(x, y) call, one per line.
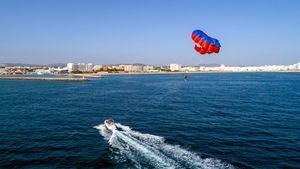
point(150, 151)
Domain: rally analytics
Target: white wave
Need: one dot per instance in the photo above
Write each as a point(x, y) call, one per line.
point(151, 150)
point(103, 131)
point(124, 128)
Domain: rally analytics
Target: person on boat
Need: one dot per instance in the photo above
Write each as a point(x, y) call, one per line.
point(110, 122)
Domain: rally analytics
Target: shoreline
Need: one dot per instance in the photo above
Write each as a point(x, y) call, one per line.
point(199, 72)
point(79, 77)
point(44, 79)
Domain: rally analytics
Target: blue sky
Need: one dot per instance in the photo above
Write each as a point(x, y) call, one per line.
point(252, 32)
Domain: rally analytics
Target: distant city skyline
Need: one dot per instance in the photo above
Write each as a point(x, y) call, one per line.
point(154, 32)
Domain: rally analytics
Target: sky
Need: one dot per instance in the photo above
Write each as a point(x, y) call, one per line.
point(251, 32)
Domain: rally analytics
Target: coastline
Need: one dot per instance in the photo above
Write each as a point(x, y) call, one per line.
point(88, 76)
point(198, 72)
point(44, 78)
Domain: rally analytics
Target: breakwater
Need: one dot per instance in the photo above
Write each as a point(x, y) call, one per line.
point(88, 75)
point(45, 78)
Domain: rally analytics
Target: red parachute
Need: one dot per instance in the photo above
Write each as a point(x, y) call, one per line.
point(205, 44)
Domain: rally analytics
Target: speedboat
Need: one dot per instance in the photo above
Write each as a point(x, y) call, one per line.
point(110, 125)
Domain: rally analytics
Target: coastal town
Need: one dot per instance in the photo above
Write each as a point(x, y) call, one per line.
point(97, 69)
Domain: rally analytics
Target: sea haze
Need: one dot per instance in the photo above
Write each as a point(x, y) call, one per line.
point(214, 120)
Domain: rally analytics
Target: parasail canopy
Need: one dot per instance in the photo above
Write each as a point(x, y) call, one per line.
point(205, 44)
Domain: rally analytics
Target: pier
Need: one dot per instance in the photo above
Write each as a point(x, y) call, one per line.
point(46, 79)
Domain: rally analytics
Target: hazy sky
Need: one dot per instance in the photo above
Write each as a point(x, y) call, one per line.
point(252, 32)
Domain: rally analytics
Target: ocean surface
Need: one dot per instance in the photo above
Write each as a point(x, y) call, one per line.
point(223, 120)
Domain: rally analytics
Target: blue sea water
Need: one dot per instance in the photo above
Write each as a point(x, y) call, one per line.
point(225, 120)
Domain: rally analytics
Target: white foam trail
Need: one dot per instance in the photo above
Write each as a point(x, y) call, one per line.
point(103, 132)
point(152, 155)
point(192, 160)
point(148, 138)
point(150, 150)
point(124, 128)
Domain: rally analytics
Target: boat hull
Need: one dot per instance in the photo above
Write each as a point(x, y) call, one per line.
point(110, 125)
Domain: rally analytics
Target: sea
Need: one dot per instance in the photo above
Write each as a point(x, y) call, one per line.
point(207, 121)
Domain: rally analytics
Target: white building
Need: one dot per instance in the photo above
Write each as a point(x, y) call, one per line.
point(190, 68)
point(148, 68)
point(83, 67)
point(133, 68)
point(175, 67)
point(71, 67)
point(43, 71)
point(2, 71)
point(265, 68)
point(295, 66)
point(298, 66)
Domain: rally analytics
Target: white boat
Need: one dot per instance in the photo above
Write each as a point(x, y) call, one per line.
point(110, 125)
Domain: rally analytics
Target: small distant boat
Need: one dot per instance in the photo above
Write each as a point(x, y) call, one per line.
point(110, 125)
